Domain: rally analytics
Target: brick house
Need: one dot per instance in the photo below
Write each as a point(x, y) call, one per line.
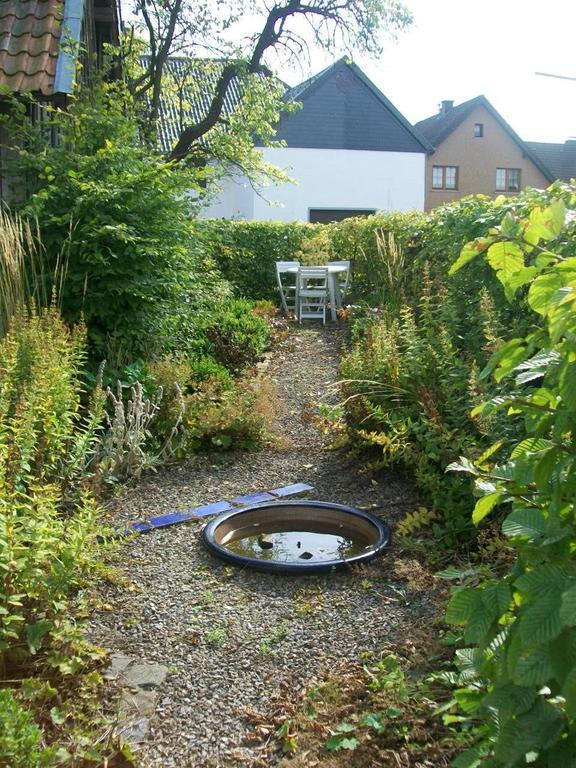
point(477, 152)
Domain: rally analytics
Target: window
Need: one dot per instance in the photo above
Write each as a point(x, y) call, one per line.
point(508, 179)
point(478, 130)
point(444, 177)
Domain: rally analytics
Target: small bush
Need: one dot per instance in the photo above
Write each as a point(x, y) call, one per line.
point(20, 737)
point(232, 334)
point(223, 419)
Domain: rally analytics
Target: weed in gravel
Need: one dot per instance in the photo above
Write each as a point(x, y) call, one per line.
point(375, 714)
point(217, 635)
point(271, 642)
point(308, 600)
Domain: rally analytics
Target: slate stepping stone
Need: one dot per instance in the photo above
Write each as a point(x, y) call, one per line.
point(254, 498)
point(162, 521)
point(145, 676)
point(211, 509)
point(291, 490)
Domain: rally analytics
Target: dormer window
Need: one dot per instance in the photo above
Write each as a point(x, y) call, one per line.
point(478, 130)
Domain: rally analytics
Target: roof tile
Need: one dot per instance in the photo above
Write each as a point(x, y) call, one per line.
point(29, 44)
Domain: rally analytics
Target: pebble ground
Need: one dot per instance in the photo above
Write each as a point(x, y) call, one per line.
point(229, 636)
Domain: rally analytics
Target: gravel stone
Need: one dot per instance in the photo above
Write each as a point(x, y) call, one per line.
point(230, 636)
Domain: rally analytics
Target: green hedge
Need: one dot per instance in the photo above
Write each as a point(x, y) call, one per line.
point(246, 252)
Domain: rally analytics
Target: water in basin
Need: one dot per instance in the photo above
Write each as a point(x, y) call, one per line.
point(296, 546)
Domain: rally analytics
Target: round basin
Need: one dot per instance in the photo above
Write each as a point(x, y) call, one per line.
point(296, 536)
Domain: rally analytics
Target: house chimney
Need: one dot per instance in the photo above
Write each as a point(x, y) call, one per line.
point(445, 107)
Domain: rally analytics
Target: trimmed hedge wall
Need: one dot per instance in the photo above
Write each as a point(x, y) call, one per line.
point(246, 251)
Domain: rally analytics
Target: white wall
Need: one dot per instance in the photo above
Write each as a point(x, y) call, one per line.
point(328, 178)
point(234, 201)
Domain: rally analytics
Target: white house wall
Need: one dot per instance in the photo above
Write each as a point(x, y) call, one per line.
point(327, 178)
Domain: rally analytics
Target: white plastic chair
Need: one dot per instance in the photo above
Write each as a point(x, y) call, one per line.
point(342, 278)
point(287, 289)
point(311, 293)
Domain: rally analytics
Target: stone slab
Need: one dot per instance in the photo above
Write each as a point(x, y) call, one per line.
point(135, 731)
point(118, 663)
point(145, 676)
point(138, 703)
point(291, 490)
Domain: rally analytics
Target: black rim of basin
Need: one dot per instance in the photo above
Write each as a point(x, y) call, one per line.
point(381, 540)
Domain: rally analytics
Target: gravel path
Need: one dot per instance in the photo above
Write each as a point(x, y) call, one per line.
point(230, 637)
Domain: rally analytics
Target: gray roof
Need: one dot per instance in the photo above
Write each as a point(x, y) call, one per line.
point(559, 158)
point(342, 109)
point(438, 127)
point(199, 78)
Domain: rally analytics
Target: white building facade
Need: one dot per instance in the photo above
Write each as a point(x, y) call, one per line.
point(349, 152)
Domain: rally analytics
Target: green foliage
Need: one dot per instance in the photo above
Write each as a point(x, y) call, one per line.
point(408, 395)
point(232, 334)
point(20, 737)
point(45, 451)
point(119, 218)
point(520, 670)
point(246, 252)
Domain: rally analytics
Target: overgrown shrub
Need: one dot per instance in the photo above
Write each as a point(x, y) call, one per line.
point(20, 737)
point(407, 391)
point(118, 217)
point(214, 410)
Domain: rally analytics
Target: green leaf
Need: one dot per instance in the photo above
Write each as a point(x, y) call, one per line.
point(546, 223)
point(35, 634)
point(545, 293)
point(545, 578)
point(526, 522)
point(568, 386)
point(472, 758)
point(484, 506)
point(569, 692)
point(452, 573)
point(540, 621)
point(507, 259)
point(462, 605)
point(530, 445)
point(345, 727)
point(469, 252)
point(463, 465)
point(337, 742)
point(374, 720)
point(531, 731)
point(57, 716)
point(568, 607)
point(533, 667)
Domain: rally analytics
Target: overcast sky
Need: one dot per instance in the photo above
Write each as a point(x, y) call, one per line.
point(458, 49)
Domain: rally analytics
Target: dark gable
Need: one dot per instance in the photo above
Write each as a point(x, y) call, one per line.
point(341, 109)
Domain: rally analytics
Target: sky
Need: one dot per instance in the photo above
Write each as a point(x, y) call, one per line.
point(459, 49)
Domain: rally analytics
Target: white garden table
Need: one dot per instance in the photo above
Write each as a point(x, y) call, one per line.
point(333, 288)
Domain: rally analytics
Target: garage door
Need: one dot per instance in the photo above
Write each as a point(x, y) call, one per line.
point(326, 215)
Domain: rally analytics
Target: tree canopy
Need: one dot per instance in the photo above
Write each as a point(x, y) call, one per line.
point(207, 31)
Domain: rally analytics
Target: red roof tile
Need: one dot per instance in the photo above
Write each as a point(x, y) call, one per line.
point(29, 44)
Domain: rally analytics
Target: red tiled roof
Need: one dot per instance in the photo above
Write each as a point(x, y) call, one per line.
point(29, 44)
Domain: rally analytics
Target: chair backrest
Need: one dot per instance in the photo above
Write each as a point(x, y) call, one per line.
point(319, 275)
point(282, 266)
point(344, 277)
